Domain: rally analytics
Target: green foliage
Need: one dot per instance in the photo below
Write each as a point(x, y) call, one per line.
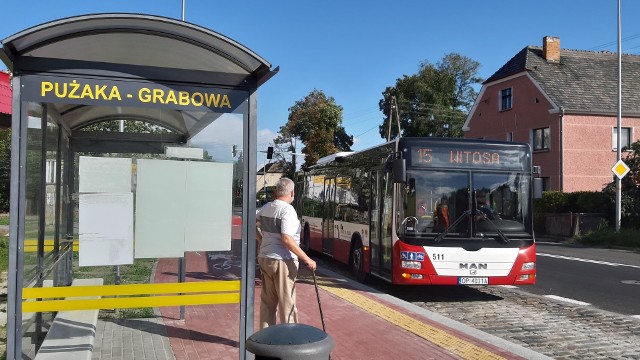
point(628, 238)
point(435, 101)
point(286, 143)
point(5, 169)
point(4, 253)
point(630, 205)
point(130, 126)
point(4, 219)
point(317, 121)
point(578, 202)
point(136, 313)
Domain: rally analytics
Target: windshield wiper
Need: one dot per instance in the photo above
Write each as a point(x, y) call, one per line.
point(504, 238)
point(465, 214)
point(446, 231)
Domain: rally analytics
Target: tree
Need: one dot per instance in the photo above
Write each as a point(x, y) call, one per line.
point(317, 121)
point(433, 102)
point(129, 126)
point(285, 145)
point(5, 167)
point(630, 206)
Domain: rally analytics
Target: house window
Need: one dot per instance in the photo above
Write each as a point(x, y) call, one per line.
point(541, 138)
point(505, 99)
point(625, 140)
point(546, 184)
point(510, 136)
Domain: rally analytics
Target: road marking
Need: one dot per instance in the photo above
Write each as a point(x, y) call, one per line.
point(587, 260)
point(560, 298)
point(460, 347)
point(509, 286)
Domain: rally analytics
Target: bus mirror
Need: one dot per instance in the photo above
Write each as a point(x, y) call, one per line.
point(537, 188)
point(399, 170)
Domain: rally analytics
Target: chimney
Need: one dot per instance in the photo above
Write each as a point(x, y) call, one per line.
point(551, 48)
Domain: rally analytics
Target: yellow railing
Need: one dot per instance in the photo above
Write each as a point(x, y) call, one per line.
point(135, 296)
point(31, 245)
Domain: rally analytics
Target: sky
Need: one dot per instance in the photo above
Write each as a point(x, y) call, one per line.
point(352, 49)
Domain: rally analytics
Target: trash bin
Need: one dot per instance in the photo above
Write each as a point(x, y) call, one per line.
point(290, 341)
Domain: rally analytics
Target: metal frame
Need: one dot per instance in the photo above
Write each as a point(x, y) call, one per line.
point(16, 53)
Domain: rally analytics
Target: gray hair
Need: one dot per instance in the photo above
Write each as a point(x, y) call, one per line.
point(284, 186)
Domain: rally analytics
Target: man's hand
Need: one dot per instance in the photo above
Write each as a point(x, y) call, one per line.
point(311, 264)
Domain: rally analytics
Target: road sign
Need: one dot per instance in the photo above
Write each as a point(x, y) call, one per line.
point(620, 169)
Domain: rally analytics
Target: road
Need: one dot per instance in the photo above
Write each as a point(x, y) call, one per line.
point(604, 278)
point(589, 315)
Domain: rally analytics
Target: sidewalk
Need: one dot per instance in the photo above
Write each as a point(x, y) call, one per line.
point(364, 324)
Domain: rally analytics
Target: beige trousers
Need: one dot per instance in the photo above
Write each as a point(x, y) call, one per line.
point(278, 291)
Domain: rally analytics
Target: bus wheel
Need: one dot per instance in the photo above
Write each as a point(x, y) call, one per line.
point(357, 261)
point(304, 241)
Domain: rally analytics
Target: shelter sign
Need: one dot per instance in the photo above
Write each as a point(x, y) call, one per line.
point(91, 91)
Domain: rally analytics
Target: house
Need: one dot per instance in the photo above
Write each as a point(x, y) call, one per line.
point(565, 104)
point(267, 179)
point(5, 100)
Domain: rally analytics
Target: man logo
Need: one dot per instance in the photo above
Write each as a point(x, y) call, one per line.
point(473, 266)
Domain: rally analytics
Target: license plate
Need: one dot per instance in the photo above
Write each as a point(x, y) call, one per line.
point(473, 281)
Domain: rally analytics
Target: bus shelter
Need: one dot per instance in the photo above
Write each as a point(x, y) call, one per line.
point(133, 141)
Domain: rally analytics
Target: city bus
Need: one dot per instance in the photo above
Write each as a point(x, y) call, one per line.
point(424, 211)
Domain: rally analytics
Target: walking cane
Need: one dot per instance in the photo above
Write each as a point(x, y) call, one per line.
point(315, 283)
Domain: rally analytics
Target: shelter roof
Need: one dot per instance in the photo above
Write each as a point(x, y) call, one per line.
point(134, 39)
point(135, 46)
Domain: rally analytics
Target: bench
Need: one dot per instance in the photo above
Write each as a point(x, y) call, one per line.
point(72, 333)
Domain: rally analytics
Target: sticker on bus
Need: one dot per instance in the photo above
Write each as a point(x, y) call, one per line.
point(410, 255)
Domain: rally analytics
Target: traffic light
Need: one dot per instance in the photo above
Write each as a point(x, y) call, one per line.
point(270, 152)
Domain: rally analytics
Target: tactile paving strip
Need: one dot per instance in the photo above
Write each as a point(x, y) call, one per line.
point(436, 336)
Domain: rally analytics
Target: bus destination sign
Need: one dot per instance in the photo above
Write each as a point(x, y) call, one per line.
point(467, 157)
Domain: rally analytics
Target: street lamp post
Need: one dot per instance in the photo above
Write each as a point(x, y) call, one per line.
point(619, 124)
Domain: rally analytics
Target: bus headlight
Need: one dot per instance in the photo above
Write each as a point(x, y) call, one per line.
point(528, 266)
point(411, 264)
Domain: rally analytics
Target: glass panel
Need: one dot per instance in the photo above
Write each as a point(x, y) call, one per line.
point(33, 192)
point(387, 218)
point(375, 220)
point(437, 199)
point(502, 199)
point(625, 138)
point(547, 138)
point(211, 212)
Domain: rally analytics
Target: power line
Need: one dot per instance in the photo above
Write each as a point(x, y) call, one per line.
point(611, 43)
point(377, 126)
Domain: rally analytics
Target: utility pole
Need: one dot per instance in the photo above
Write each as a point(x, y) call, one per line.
point(619, 140)
point(393, 109)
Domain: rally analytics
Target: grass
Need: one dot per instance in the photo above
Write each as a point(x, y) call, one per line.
point(4, 265)
point(4, 219)
point(625, 238)
point(4, 253)
point(137, 273)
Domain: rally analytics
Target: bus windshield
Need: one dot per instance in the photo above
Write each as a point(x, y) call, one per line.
point(464, 204)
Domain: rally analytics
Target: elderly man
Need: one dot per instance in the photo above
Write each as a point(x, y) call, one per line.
point(279, 251)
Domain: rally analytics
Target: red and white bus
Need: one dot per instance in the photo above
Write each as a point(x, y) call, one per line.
point(419, 211)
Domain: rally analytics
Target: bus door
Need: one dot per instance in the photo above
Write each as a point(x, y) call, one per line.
point(328, 214)
point(381, 226)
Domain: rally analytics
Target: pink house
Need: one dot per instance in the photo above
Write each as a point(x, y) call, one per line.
point(5, 100)
point(564, 103)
